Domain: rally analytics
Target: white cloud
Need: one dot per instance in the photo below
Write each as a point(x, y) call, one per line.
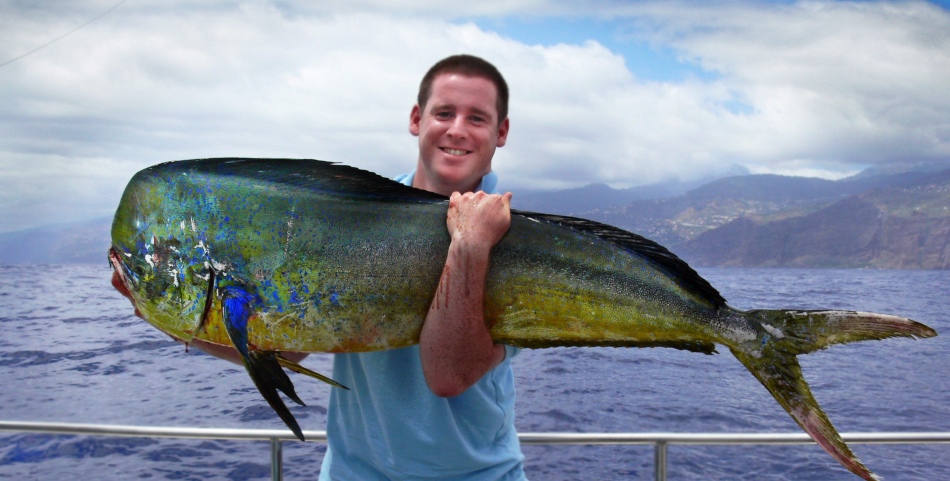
point(821, 88)
point(846, 82)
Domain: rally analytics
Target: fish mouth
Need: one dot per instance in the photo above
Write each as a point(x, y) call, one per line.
point(115, 261)
point(120, 279)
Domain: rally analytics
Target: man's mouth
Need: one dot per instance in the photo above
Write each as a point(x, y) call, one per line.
point(454, 151)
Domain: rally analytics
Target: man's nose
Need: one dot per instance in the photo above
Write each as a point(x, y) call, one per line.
point(458, 128)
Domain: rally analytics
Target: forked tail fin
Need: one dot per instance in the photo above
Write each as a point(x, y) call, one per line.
point(790, 333)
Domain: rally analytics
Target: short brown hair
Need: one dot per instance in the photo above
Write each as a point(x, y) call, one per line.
point(470, 66)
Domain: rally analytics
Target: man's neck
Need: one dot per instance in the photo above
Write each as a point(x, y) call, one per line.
point(421, 182)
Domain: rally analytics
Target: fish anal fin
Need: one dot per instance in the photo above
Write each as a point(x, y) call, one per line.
point(262, 366)
point(781, 374)
point(297, 368)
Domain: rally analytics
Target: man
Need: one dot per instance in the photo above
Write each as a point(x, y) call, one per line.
point(443, 409)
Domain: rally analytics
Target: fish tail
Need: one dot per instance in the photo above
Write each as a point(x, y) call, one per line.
point(786, 334)
point(810, 331)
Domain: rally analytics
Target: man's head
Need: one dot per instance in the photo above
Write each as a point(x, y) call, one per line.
point(467, 66)
point(460, 119)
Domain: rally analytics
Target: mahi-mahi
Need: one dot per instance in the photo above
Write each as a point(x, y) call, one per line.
point(280, 255)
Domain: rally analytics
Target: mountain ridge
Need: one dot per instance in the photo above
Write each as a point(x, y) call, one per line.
point(745, 220)
point(902, 226)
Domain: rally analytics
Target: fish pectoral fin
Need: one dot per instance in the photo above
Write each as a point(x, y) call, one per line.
point(268, 376)
point(297, 368)
point(266, 363)
point(262, 366)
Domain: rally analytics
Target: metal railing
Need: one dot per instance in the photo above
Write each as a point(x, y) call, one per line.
point(660, 441)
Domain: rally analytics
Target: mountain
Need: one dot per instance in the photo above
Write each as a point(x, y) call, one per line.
point(675, 220)
point(765, 197)
point(592, 197)
point(83, 242)
point(874, 219)
point(905, 225)
point(601, 196)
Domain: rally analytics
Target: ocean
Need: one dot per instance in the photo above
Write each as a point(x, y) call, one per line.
point(71, 351)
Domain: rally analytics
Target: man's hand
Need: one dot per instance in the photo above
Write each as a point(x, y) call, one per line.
point(478, 219)
point(455, 346)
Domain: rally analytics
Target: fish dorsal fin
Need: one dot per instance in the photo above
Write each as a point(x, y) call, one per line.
point(679, 270)
point(309, 174)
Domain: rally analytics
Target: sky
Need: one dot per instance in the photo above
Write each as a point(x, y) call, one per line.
point(620, 92)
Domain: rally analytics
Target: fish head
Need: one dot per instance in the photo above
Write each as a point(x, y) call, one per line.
point(172, 244)
point(167, 284)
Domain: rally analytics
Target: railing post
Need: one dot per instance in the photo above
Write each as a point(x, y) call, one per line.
point(276, 459)
point(659, 461)
point(660, 441)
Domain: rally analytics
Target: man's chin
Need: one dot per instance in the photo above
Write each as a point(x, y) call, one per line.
point(460, 176)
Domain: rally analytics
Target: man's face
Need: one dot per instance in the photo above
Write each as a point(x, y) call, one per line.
point(458, 133)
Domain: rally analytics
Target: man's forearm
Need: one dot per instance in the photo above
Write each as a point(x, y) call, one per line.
point(455, 345)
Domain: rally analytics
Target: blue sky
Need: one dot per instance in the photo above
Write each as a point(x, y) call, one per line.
point(647, 62)
point(625, 93)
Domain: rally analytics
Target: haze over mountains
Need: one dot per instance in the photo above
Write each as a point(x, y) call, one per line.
point(877, 220)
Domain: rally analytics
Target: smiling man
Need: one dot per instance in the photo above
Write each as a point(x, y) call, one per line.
point(443, 409)
point(460, 119)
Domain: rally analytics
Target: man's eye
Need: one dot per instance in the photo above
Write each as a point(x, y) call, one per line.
point(444, 115)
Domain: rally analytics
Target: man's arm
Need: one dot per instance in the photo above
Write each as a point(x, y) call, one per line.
point(455, 346)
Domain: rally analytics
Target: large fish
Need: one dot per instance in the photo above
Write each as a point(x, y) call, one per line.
point(277, 255)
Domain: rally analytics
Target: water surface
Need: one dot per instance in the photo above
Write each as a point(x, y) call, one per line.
point(71, 351)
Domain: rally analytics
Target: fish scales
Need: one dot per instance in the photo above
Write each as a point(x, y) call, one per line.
point(354, 274)
point(271, 255)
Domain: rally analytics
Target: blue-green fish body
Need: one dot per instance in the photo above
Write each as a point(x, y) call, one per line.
point(301, 255)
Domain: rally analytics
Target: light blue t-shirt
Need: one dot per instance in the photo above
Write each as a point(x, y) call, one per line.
point(390, 426)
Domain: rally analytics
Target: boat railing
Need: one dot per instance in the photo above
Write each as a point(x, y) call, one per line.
point(660, 441)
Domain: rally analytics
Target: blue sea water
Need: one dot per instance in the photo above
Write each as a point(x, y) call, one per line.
point(71, 351)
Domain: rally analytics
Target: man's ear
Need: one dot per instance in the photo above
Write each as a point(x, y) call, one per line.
point(414, 118)
point(502, 133)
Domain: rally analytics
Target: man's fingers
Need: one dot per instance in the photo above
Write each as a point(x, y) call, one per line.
point(507, 200)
